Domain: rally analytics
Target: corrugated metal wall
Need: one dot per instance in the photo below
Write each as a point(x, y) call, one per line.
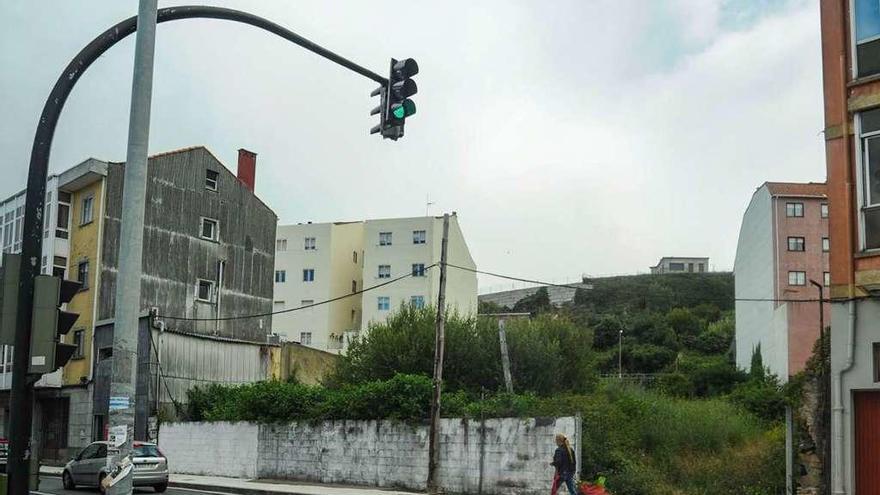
point(188, 361)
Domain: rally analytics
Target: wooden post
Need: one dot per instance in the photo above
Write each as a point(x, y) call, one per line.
point(505, 358)
point(439, 349)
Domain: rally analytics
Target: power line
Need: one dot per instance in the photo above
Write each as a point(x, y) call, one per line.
point(299, 308)
point(510, 277)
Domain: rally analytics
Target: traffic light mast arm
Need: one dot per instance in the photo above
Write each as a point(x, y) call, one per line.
point(32, 235)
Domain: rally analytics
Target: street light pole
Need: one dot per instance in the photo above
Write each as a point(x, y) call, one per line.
point(620, 355)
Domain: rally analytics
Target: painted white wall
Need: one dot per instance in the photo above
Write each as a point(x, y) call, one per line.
point(759, 322)
point(218, 449)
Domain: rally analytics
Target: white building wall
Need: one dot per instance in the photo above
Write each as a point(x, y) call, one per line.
point(759, 322)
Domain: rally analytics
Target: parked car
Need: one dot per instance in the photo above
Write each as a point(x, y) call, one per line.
point(89, 467)
point(4, 452)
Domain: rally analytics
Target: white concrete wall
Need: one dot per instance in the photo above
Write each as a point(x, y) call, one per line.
point(508, 456)
point(212, 449)
point(754, 270)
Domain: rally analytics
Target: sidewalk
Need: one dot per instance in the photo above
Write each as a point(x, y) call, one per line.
point(255, 487)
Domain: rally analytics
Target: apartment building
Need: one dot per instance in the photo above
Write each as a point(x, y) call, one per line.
point(318, 262)
point(208, 254)
point(314, 263)
point(677, 264)
point(851, 78)
point(783, 246)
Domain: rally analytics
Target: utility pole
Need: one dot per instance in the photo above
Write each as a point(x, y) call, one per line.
point(505, 358)
point(439, 349)
point(128, 277)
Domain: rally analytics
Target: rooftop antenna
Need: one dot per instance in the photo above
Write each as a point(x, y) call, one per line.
point(428, 204)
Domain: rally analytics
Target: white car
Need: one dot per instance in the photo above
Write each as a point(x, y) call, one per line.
point(89, 467)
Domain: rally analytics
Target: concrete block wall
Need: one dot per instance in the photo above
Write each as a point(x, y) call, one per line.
point(496, 456)
point(211, 449)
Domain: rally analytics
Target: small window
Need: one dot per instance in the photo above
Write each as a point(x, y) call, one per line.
point(384, 271)
point(280, 276)
point(797, 278)
point(305, 338)
point(278, 306)
point(384, 238)
point(794, 209)
point(212, 177)
point(87, 215)
point(796, 243)
point(384, 303)
point(867, 27)
point(105, 353)
point(210, 229)
point(62, 223)
point(702, 267)
point(310, 243)
point(826, 277)
point(417, 302)
point(309, 275)
point(418, 236)
point(82, 274)
point(676, 267)
point(78, 339)
point(354, 257)
point(354, 286)
point(281, 245)
point(824, 210)
point(418, 270)
point(305, 303)
point(826, 245)
point(205, 290)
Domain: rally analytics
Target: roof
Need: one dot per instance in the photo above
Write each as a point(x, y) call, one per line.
point(809, 189)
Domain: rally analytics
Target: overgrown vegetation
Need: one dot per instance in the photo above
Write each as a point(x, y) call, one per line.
point(699, 425)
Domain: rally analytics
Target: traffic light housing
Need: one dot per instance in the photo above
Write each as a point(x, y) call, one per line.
point(9, 274)
point(395, 104)
point(49, 323)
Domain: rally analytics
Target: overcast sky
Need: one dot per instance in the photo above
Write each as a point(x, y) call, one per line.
point(571, 136)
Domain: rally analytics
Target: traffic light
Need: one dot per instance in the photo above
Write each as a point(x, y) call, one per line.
point(395, 105)
point(9, 274)
point(49, 322)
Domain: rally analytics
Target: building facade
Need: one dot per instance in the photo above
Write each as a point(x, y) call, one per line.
point(675, 264)
point(783, 247)
point(851, 77)
point(319, 262)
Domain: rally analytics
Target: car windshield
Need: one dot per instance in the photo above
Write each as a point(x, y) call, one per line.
point(146, 451)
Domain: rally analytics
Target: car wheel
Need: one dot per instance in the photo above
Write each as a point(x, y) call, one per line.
point(67, 481)
point(161, 488)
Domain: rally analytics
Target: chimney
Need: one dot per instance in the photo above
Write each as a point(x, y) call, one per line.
point(247, 168)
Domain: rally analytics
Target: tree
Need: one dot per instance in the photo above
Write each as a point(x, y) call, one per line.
point(539, 302)
point(757, 370)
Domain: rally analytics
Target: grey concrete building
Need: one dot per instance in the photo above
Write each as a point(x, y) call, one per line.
point(677, 264)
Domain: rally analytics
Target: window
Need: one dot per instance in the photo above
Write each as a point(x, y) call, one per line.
point(82, 274)
point(797, 278)
point(418, 236)
point(309, 275)
point(305, 338)
point(676, 267)
point(210, 229)
point(867, 22)
point(278, 306)
point(823, 209)
point(417, 301)
point(795, 243)
point(305, 303)
point(86, 215)
point(702, 267)
point(826, 245)
point(354, 286)
point(280, 276)
point(105, 353)
point(62, 223)
point(19, 218)
point(310, 243)
point(384, 303)
point(870, 174)
point(354, 256)
point(826, 278)
point(384, 238)
point(690, 267)
point(384, 271)
point(418, 270)
point(281, 245)
point(794, 209)
point(78, 340)
point(212, 177)
point(60, 267)
point(204, 290)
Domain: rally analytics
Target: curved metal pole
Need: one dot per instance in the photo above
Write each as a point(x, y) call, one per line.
point(22, 384)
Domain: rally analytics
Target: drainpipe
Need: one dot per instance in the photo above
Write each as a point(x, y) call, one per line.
point(221, 265)
point(837, 408)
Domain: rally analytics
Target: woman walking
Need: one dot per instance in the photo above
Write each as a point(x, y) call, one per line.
point(565, 463)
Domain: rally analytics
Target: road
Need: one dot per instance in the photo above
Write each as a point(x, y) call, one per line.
point(52, 484)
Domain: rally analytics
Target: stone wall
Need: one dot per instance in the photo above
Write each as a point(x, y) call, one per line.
point(496, 456)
